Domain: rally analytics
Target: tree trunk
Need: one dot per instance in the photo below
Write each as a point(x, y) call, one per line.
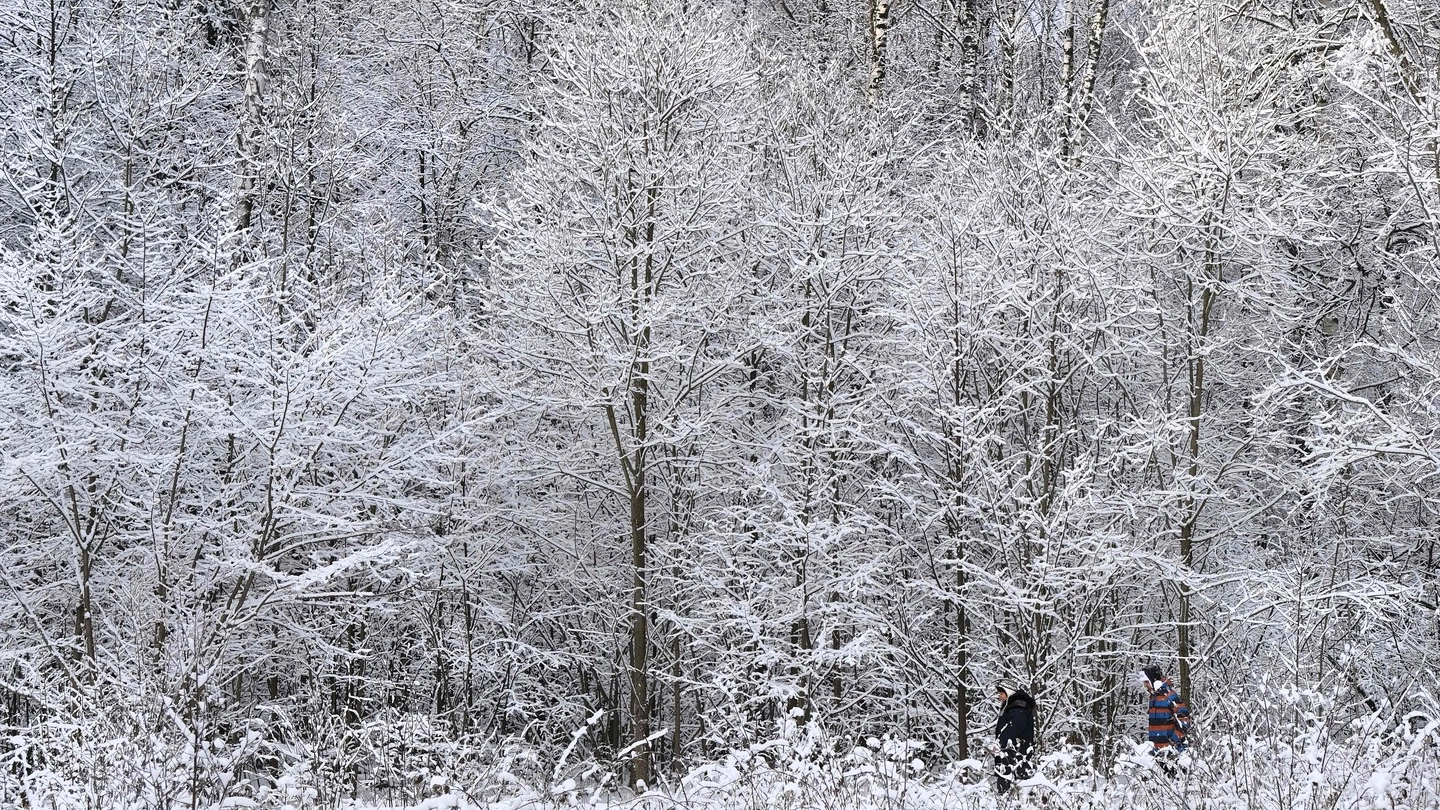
point(1081, 99)
point(247, 138)
point(635, 463)
point(969, 22)
point(639, 634)
point(1193, 505)
point(880, 22)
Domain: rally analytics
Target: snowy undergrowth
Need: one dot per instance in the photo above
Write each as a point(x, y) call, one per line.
point(1283, 750)
point(1303, 773)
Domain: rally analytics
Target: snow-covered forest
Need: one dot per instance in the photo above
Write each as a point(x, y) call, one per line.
point(540, 402)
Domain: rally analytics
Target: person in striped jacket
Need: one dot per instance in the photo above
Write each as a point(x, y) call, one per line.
point(1169, 715)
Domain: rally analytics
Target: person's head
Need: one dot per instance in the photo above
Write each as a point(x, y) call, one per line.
point(1153, 675)
point(1003, 691)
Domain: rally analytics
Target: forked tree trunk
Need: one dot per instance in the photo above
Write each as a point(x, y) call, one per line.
point(633, 456)
point(1195, 377)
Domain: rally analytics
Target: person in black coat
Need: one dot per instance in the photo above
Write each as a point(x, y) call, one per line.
point(1015, 736)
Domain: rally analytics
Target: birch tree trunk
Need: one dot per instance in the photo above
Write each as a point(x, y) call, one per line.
point(1082, 98)
point(248, 135)
point(969, 22)
point(880, 22)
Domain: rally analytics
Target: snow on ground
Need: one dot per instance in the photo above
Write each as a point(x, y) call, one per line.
point(1303, 766)
point(1249, 775)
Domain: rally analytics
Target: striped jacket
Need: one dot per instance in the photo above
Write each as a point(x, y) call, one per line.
point(1169, 717)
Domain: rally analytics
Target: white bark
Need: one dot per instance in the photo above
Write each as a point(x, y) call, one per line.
point(880, 22)
point(249, 138)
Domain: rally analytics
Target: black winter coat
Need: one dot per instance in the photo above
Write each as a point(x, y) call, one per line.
point(1016, 724)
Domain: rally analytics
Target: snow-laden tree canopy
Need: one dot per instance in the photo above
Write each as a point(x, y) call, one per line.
point(395, 394)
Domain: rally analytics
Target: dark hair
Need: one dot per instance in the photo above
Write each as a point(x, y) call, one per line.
point(1153, 673)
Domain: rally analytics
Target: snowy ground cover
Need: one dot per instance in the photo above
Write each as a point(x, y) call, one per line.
point(877, 776)
point(1299, 764)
